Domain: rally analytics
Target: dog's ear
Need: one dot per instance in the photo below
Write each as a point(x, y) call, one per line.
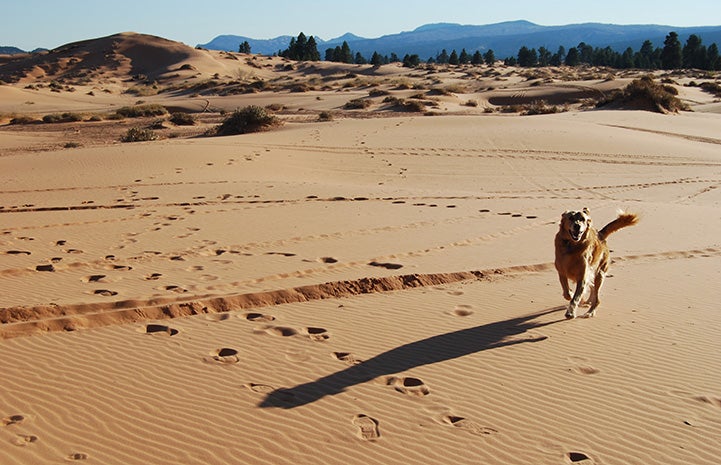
point(586, 211)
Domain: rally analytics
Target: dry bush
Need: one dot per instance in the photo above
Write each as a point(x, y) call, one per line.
point(139, 135)
point(248, 119)
point(646, 94)
point(139, 111)
point(357, 104)
point(182, 119)
point(62, 118)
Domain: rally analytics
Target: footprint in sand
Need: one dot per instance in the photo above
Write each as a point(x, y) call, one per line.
point(282, 331)
point(24, 440)
point(93, 278)
point(13, 420)
point(407, 385)
point(18, 252)
point(49, 268)
point(316, 334)
point(159, 329)
point(461, 310)
point(347, 357)
point(77, 456)
point(575, 457)
point(328, 260)
point(387, 266)
point(217, 316)
point(105, 292)
point(223, 356)
point(297, 356)
point(257, 317)
point(582, 367)
point(467, 425)
point(367, 427)
point(153, 276)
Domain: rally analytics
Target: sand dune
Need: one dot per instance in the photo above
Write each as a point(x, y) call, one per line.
point(377, 288)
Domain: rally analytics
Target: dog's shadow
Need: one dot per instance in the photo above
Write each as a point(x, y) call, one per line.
point(427, 351)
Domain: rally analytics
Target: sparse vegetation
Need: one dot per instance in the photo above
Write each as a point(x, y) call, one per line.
point(357, 104)
point(67, 117)
point(140, 111)
point(182, 119)
point(646, 94)
point(325, 116)
point(248, 119)
point(139, 135)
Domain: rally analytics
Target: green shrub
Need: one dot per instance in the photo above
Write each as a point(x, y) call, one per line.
point(139, 135)
point(139, 111)
point(249, 119)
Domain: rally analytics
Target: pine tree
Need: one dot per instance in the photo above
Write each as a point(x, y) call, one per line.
point(453, 59)
point(712, 57)
point(244, 47)
point(489, 57)
point(671, 55)
point(464, 57)
point(572, 57)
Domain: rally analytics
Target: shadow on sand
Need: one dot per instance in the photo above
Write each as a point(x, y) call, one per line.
point(424, 352)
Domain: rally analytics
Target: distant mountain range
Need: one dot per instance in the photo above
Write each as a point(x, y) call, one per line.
point(505, 39)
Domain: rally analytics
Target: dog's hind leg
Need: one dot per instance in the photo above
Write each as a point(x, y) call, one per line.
point(597, 283)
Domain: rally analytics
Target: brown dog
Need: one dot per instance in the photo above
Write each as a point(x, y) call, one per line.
point(582, 256)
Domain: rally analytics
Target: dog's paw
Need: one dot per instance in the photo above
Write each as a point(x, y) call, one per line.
point(570, 315)
point(590, 314)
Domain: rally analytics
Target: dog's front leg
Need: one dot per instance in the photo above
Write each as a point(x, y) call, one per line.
point(576, 299)
point(564, 286)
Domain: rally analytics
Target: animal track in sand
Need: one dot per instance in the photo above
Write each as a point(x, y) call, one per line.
point(49, 268)
point(367, 427)
point(77, 456)
point(407, 385)
point(328, 260)
point(159, 329)
point(153, 276)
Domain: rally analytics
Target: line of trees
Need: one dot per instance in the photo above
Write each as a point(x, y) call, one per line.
point(673, 55)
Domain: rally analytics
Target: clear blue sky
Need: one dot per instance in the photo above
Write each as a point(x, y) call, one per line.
point(30, 24)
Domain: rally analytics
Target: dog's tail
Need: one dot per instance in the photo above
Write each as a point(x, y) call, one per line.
point(623, 220)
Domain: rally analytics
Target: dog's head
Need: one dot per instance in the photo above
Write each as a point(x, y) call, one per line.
point(575, 224)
